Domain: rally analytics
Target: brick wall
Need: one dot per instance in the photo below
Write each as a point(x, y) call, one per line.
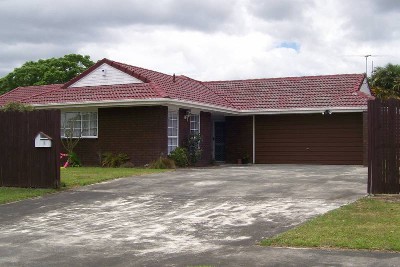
point(205, 132)
point(140, 132)
point(206, 138)
point(184, 127)
point(88, 152)
point(239, 138)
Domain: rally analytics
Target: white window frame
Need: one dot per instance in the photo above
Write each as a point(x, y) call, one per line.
point(171, 148)
point(192, 120)
point(81, 113)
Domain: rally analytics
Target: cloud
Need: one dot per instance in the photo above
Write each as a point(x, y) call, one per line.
point(226, 39)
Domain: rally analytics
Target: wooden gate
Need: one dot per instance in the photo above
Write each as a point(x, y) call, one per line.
point(383, 146)
point(27, 159)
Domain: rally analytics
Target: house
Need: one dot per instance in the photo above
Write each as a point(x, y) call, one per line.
point(144, 113)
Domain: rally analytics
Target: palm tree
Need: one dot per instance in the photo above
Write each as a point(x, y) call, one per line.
point(385, 81)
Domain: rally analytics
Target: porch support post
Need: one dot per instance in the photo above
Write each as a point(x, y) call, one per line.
point(254, 139)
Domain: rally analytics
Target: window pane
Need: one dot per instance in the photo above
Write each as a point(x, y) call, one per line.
point(85, 116)
point(85, 125)
point(73, 122)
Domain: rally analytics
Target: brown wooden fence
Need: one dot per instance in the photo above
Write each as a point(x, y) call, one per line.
point(383, 146)
point(21, 163)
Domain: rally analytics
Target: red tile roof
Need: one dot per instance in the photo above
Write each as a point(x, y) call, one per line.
point(260, 94)
point(294, 92)
point(21, 93)
point(96, 94)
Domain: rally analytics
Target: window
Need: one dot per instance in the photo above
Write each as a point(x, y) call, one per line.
point(80, 124)
point(194, 124)
point(172, 130)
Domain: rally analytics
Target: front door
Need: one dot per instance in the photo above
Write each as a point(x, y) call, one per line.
point(219, 140)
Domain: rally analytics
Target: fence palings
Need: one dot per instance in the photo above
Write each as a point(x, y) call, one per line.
point(21, 163)
point(383, 146)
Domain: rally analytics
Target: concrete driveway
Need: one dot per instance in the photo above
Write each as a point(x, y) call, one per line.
point(186, 217)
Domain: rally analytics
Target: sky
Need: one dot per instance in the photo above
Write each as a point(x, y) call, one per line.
point(207, 39)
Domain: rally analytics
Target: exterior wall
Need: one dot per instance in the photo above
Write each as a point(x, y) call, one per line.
point(205, 132)
point(112, 76)
point(88, 151)
point(310, 139)
point(184, 128)
point(140, 132)
point(365, 138)
point(206, 135)
point(239, 138)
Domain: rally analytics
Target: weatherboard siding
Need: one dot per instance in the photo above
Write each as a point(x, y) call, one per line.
point(105, 75)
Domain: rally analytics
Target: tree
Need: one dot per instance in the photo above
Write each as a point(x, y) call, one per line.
point(385, 81)
point(16, 106)
point(72, 136)
point(46, 71)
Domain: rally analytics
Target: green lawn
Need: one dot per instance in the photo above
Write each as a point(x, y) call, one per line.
point(11, 194)
point(73, 177)
point(370, 223)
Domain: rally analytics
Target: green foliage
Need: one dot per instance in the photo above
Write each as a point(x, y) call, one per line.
point(16, 106)
point(70, 178)
point(180, 156)
point(74, 160)
point(193, 148)
point(246, 159)
point(73, 177)
point(11, 194)
point(369, 223)
point(385, 81)
point(46, 71)
point(113, 160)
point(162, 163)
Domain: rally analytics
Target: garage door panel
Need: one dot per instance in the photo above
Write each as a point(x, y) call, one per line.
point(311, 138)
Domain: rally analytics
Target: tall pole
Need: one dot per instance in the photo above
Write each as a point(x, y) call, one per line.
point(366, 64)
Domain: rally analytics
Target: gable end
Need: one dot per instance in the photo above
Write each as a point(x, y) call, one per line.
point(105, 75)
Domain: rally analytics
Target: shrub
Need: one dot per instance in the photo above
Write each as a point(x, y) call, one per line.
point(16, 106)
point(246, 159)
point(193, 148)
point(162, 163)
point(73, 160)
point(180, 156)
point(114, 160)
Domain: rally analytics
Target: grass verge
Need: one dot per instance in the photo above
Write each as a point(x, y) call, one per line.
point(369, 223)
point(73, 177)
point(11, 194)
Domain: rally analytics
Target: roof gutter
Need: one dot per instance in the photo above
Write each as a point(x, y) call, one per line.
point(196, 105)
point(303, 110)
point(134, 102)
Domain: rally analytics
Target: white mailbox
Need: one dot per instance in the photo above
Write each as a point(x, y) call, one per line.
point(42, 140)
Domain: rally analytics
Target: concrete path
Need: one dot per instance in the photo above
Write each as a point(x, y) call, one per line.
point(212, 216)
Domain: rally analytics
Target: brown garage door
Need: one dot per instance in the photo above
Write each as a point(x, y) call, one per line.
point(309, 138)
